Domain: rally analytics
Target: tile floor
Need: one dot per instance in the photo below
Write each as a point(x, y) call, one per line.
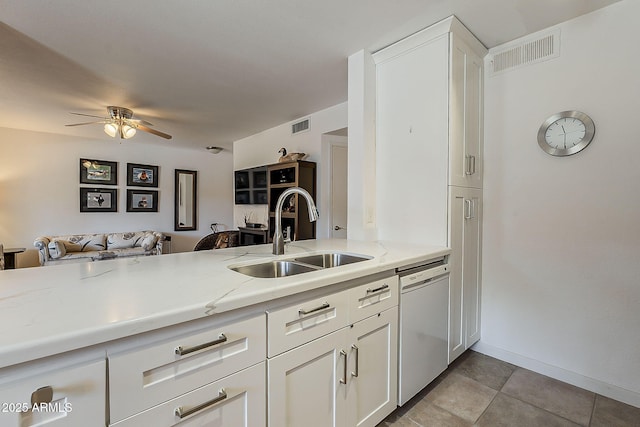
point(478, 390)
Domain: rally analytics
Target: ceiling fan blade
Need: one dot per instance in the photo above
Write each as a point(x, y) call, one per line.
point(86, 123)
point(88, 115)
point(139, 122)
point(153, 131)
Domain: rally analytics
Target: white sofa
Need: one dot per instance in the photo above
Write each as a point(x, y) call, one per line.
point(95, 247)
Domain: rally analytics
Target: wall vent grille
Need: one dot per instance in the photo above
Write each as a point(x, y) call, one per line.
point(525, 52)
point(301, 126)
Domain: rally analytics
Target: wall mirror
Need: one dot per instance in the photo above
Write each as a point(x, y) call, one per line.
point(186, 199)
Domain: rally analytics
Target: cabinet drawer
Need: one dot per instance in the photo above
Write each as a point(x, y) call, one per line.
point(236, 400)
point(299, 323)
point(147, 376)
point(372, 298)
point(78, 398)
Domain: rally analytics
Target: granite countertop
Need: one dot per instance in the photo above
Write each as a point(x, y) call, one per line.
point(50, 310)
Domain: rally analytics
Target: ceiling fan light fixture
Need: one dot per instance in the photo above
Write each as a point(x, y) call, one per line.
point(128, 131)
point(111, 129)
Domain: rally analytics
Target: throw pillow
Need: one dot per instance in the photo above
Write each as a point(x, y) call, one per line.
point(57, 249)
point(149, 241)
point(121, 240)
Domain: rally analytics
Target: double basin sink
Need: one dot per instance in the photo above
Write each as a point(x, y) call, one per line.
point(299, 265)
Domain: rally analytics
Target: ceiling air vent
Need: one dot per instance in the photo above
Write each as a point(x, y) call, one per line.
point(527, 51)
point(301, 126)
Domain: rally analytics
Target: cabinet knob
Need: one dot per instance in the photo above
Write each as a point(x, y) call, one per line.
point(42, 395)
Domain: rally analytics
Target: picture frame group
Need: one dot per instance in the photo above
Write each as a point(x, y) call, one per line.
point(97, 173)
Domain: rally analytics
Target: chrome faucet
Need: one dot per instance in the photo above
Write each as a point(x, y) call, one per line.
point(278, 240)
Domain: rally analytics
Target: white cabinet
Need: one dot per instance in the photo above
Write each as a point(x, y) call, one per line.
point(464, 290)
point(71, 396)
point(347, 377)
point(372, 385)
point(305, 386)
point(238, 400)
point(466, 119)
point(429, 143)
point(181, 361)
point(298, 323)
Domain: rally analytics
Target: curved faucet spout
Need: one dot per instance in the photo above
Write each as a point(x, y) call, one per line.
point(278, 240)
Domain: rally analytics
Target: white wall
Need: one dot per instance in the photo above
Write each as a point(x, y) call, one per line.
point(39, 188)
point(262, 149)
point(561, 253)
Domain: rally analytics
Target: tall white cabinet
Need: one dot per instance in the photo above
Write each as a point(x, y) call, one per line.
point(429, 161)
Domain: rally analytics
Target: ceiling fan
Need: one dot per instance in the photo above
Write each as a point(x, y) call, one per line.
point(121, 123)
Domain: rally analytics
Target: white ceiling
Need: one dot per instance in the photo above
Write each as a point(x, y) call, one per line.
point(213, 71)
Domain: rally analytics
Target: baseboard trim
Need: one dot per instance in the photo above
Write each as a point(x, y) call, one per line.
point(614, 392)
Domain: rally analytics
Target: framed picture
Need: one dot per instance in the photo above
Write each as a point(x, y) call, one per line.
point(98, 199)
point(142, 175)
point(142, 201)
point(98, 172)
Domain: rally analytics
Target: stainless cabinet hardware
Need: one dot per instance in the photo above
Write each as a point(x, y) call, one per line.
point(343, 380)
point(468, 209)
point(42, 395)
point(381, 288)
point(337, 227)
point(303, 312)
point(181, 351)
point(180, 412)
point(355, 347)
point(470, 165)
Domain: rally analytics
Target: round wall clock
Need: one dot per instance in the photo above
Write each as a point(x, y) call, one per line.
point(566, 133)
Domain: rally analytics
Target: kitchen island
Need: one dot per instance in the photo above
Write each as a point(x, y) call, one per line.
point(54, 318)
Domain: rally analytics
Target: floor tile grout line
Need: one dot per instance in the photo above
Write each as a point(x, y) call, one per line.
point(593, 408)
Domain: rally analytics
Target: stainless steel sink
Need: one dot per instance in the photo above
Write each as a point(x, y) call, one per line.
point(329, 260)
point(273, 269)
point(299, 265)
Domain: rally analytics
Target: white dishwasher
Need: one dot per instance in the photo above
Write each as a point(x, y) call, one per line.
point(424, 323)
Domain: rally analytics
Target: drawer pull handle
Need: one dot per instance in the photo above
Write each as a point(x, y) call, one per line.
point(182, 351)
point(355, 347)
point(381, 288)
point(42, 395)
point(180, 412)
point(343, 380)
point(303, 312)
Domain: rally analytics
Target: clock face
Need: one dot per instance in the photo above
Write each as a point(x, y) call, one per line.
point(566, 133)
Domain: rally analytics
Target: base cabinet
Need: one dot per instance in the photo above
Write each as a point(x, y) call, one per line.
point(69, 397)
point(345, 378)
point(237, 400)
point(372, 388)
point(464, 291)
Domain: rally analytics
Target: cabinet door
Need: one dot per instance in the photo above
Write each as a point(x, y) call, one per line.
point(464, 291)
point(471, 267)
point(77, 398)
point(465, 116)
point(238, 400)
point(372, 385)
point(456, 243)
point(412, 144)
point(305, 387)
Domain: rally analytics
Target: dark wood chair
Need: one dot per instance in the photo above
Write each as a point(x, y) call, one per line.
point(218, 240)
